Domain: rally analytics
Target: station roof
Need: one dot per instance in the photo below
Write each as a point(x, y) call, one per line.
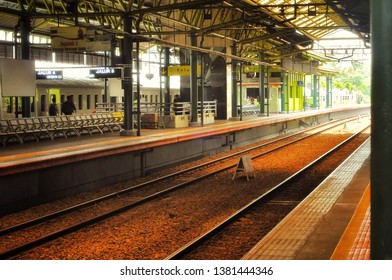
point(276, 28)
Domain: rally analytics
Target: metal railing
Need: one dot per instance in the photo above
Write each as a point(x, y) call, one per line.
point(177, 108)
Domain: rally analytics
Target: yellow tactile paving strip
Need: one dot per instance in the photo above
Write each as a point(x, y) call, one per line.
point(361, 248)
point(355, 242)
point(288, 237)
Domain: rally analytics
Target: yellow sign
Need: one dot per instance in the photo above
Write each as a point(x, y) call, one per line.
point(251, 69)
point(163, 71)
point(179, 70)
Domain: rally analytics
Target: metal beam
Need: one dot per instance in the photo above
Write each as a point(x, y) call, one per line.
point(190, 5)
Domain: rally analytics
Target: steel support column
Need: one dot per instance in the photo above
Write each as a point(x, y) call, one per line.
point(381, 150)
point(234, 101)
point(25, 29)
point(284, 91)
point(267, 93)
point(166, 81)
point(139, 113)
point(126, 57)
point(202, 89)
point(315, 92)
point(240, 87)
point(193, 81)
point(261, 85)
point(329, 92)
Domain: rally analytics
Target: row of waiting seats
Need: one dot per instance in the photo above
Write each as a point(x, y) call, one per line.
point(49, 127)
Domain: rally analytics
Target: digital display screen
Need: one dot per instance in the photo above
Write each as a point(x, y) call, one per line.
point(105, 73)
point(49, 75)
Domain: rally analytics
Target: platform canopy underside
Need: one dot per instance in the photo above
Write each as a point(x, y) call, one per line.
point(277, 28)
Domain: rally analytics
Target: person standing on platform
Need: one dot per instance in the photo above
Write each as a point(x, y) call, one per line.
point(53, 110)
point(68, 107)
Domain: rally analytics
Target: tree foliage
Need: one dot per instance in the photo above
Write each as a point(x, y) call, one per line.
point(356, 77)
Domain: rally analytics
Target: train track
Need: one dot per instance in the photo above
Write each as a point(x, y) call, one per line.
point(229, 161)
point(234, 236)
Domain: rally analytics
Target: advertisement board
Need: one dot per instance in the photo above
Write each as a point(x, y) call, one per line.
point(76, 38)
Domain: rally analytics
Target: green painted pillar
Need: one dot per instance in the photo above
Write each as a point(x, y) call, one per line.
point(381, 149)
point(289, 92)
point(283, 91)
point(315, 92)
point(302, 92)
point(295, 91)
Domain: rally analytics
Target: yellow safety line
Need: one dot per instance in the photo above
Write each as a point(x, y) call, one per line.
point(346, 242)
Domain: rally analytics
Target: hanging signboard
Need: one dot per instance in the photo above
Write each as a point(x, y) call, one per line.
point(105, 72)
point(68, 38)
point(251, 69)
point(74, 38)
point(179, 70)
point(49, 75)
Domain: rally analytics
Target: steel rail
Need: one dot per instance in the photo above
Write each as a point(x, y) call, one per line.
point(186, 249)
point(79, 206)
point(52, 236)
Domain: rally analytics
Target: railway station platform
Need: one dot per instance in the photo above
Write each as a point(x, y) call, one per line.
point(332, 223)
point(29, 156)
point(37, 172)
